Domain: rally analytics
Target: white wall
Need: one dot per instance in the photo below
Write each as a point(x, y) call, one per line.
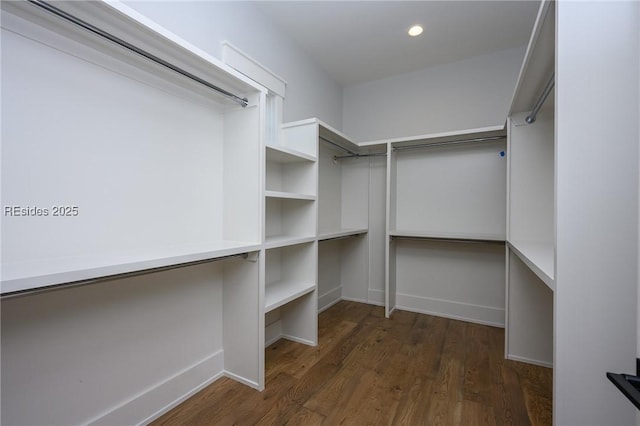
point(467, 94)
point(597, 209)
point(74, 355)
point(310, 91)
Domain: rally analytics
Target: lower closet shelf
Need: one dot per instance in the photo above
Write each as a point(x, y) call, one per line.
point(539, 257)
point(283, 292)
point(21, 276)
point(449, 236)
point(342, 233)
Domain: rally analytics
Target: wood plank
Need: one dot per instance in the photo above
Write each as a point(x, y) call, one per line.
point(445, 407)
point(304, 417)
point(413, 407)
point(477, 379)
point(515, 412)
point(477, 414)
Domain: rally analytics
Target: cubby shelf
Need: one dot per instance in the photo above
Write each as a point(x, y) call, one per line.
point(280, 293)
point(281, 154)
point(341, 233)
point(539, 257)
point(289, 195)
point(448, 236)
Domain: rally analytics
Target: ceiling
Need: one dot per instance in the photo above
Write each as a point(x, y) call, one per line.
point(358, 41)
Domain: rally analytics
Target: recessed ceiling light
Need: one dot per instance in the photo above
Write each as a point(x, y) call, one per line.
point(416, 30)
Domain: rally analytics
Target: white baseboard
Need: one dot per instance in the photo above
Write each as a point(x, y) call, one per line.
point(376, 297)
point(329, 298)
point(157, 400)
point(450, 309)
point(272, 333)
point(298, 340)
point(325, 307)
point(530, 361)
point(355, 299)
point(242, 380)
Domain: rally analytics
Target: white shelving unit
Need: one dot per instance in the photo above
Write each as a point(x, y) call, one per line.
point(343, 219)
point(289, 219)
point(531, 190)
point(291, 188)
point(531, 204)
point(288, 274)
point(164, 172)
point(446, 225)
point(572, 272)
point(290, 293)
point(104, 236)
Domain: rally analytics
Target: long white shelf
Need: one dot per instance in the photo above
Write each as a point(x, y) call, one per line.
point(497, 129)
point(283, 292)
point(347, 232)
point(287, 240)
point(282, 154)
point(289, 195)
point(127, 24)
point(461, 236)
point(28, 275)
point(539, 257)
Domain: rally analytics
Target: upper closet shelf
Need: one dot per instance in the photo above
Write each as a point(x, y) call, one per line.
point(342, 233)
point(282, 154)
point(539, 257)
point(498, 130)
point(336, 138)
point(452, 236)
point(29, 275)
point(539, 61)
point(106, 24)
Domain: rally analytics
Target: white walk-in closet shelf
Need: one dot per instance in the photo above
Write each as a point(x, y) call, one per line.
point(446, 224)
point(530, 223)
point(343, 218)
point(114, 163)
point(291, 186)
point(290, 193)
point(129, 157)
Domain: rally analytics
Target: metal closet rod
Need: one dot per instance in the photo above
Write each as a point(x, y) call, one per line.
point(375, 154)
point(531, 118)
point(456, 142)
point(449, 240)
point(110, 37)
point(116, 276)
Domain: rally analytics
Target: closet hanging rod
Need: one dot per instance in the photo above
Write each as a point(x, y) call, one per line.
point(449, 240)
point(337, 146)
point(110, 37)
point(456, 142)
point(79, 283)
point(531, 118)
point(375, 154)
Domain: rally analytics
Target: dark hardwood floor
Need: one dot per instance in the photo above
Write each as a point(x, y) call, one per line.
point(411, 369)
